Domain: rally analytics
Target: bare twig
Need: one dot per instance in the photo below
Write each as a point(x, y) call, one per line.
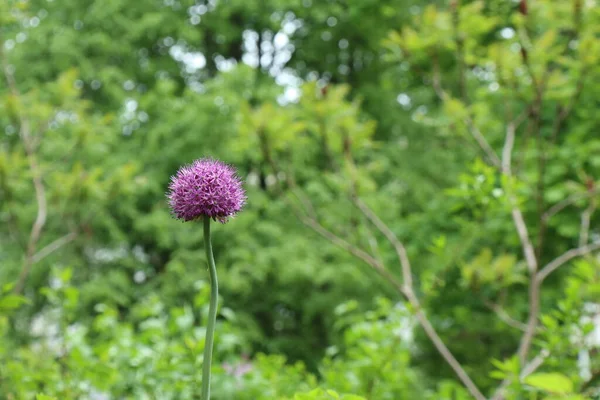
point(499, 392)
point(482, 142)
point(345, 245)
point(509, 143)
point(408, 292)
point(528, 249)
point(564, 258)
point(437, 78)
point(308, 215)
point(354, 187)
point(391, 237)
point(52, 247)
point(503, 315)
point(441, 347)
point(584, 231)
point(558, 207)
point(534, 302)
point(532, 319)
point(306, 203)
point(519, 221)
point(527, 370)
point(532, 264)
point(526, 244)
point(534, 364)
point(40, 194)
point(373, 244)
point(404, 288)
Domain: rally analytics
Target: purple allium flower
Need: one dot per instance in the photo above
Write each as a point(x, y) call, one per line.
point(208, 188)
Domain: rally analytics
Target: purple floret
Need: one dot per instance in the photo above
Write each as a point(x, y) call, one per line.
point(206, 188)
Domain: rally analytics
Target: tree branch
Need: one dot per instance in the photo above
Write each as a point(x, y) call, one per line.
point(442, 349)
point(408, 292)
point(558, 207)
point(503, 315)
point(517, 215)
point(527, 370)
point(527, 246)
point(564, 258)
point(509, 143)
point(532, 319)
point(534, 364)
point(52, 247)
point(534, 302)
point(391, 237)
point(403, 288)
point(345, 245)
point(40, 194)
point(584, 231)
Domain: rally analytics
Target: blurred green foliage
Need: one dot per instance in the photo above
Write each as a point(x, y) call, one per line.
point(317, 104)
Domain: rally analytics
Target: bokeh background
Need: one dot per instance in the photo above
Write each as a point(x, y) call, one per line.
point(467, 130)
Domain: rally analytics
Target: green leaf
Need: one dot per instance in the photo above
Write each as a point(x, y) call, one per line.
point(44, 397)
point(12, 302)
point(569, 397)
point(7, 287)
point(552, 382)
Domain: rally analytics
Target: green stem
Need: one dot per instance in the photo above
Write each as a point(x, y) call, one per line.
point(212, 312)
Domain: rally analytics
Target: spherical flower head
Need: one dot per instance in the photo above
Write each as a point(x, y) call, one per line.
point(206, 188)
